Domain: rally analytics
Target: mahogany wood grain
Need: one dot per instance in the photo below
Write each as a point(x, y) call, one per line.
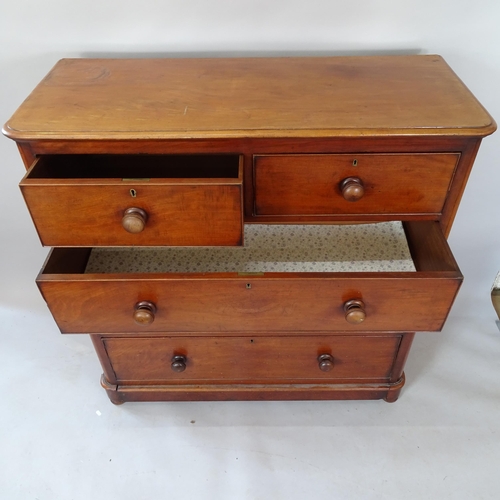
point(248, 360)
point(459, 182)
point(27, 154)
point(262, 97)
point(312, 184)
point(119, 394)
point(428, 248)
point(103, 357)
point(180, 211)
point(112, 390)
point(395, 390)
point(292, 122)
point(67, 261)
point(276, 302)
point(401, 357)
point(250, 146)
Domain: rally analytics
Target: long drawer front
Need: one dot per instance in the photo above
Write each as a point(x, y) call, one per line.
point(314, 359)
point(215, 303)
point(250, 304)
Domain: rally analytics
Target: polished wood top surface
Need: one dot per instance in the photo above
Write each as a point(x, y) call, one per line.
point(249, 97)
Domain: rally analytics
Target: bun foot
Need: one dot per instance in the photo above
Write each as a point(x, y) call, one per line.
point(111, 390)
point(395, 389)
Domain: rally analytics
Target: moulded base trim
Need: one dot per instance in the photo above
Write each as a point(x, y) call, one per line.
point(119, 394)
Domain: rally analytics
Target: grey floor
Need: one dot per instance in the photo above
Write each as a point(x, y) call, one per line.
point(61, 438)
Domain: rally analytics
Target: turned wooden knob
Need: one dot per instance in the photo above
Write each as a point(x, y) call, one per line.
point(134, 220)
point(178, 363)
point(144, 313)
point(354, 311)
point(325, 362)
point(352, 189)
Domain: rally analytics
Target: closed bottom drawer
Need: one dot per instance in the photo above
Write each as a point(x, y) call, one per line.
point(292, 294)
point(251, 360)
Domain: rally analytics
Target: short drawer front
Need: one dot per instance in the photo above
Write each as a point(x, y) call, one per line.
point(174, 360)
point(294, 185)
point(160, 211)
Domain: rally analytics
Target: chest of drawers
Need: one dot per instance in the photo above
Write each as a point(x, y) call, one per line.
point(231, 229)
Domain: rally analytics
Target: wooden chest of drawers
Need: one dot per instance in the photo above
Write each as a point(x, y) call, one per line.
point(267, 228)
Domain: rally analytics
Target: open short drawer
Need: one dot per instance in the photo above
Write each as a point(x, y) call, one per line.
point(136, 200)
point(251, 301)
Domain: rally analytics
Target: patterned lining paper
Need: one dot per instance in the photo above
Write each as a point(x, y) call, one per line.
point(272, 248)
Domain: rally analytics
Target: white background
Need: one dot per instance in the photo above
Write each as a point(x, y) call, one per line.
point(440, 440)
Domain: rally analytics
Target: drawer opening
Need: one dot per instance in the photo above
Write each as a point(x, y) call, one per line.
point(280, 248)
point(139, 167)
point(384, 247)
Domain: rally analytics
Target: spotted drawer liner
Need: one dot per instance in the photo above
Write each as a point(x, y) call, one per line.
point(272, 248)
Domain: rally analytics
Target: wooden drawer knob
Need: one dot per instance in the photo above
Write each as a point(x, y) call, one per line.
point(325, 362)
point(178, 363)
point(134, 220)
point(354, 311)
point(352, 189)
point(144, 313)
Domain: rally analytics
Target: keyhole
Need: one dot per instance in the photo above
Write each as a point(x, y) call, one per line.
point(133, 193)
point(354, 163)
point(249, 285)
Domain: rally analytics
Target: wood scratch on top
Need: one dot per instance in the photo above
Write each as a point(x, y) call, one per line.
point(185, 110)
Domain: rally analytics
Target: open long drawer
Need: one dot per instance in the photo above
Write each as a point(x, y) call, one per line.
point(281, 301)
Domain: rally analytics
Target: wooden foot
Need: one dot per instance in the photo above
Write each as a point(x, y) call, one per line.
point(395, 389)
point(112, 391)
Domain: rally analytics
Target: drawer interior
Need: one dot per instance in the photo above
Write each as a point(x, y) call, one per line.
point(273, 248)
point(384, 247)
point(135, 167)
